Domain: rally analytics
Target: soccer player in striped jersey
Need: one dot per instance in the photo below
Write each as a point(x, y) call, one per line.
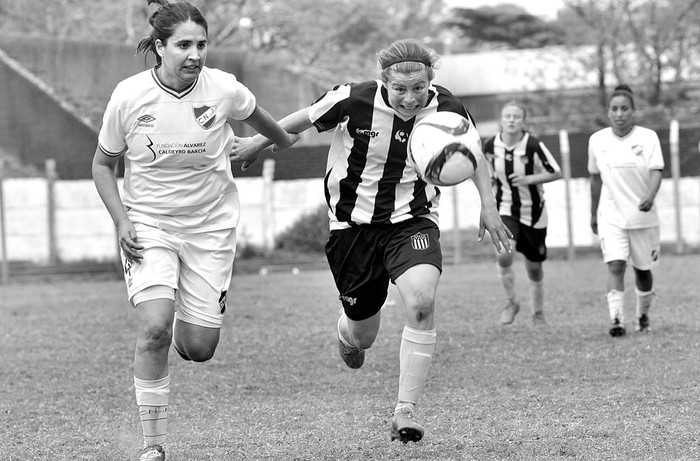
point(625, 163)
point(383, 218)
point(177, 220)
point(520, 164)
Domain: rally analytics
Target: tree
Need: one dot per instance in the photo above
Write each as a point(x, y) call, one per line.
point(506, 25)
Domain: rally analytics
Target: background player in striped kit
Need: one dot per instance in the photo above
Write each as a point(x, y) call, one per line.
point(520, 164)
point(177, 221)
point(625, 163)
point(383, 219)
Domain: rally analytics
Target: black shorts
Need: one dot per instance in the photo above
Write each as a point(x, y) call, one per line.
point(528, 240)
point(365, 258)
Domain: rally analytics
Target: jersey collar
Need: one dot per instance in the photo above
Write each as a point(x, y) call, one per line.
point(170, 91)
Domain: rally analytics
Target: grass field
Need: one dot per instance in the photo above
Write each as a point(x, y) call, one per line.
point(277, 390)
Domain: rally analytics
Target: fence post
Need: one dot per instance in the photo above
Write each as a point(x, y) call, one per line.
point(50, 166)
point(457, 258)
point(4, 263)
point(676, 174)
point(566, 172)
point(268, 196)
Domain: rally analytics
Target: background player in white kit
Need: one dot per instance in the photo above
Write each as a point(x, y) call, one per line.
point(177, 219)
point(383, 218)
point(625, 163)
point(520, 164)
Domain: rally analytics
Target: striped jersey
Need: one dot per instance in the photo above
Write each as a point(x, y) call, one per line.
point(624, 165)
point(368, 178)
point(176, 146)
point(529, 156)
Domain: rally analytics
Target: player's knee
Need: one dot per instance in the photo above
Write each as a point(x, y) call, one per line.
point(201, 354)
point(617, 268)
point(422, 310)
point(155, 337)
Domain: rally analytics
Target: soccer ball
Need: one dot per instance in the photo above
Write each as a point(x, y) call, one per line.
point(444, 148)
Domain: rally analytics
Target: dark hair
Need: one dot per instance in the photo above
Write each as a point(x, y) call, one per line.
point(408, 55)
point(623, 90)
point(164, 21)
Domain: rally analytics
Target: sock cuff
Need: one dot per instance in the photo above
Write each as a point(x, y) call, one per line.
point(419, 336)
point(536, 283)
point(643, 294)
point(503, 270)
point(152, 392)
point(615, 294)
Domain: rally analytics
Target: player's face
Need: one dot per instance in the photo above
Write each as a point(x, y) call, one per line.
point(621, 115)
point(183, 55)
point(512, 119)
point(408, 92)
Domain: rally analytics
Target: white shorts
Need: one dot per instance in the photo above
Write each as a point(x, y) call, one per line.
point(194, 270)
point(640, 246)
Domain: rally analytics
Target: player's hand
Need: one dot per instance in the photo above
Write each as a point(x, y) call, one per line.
point(646, 204)
point(594, 224)
point(128, 242)
point(519, 180)
point(500, 235)
point(245, 150)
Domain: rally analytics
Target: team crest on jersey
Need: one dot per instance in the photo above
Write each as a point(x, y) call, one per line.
point(420, 241)
point(524, 160)
point(637, 149)
point(401, 136)
point(205, 116)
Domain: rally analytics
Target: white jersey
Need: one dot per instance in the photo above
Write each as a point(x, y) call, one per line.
point(176, 146)
point(624, 165)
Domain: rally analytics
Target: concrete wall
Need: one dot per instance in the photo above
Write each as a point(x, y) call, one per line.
point(84, 230)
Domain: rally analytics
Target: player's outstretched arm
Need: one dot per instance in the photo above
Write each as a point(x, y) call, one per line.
point(247, 150)
point(490, 220)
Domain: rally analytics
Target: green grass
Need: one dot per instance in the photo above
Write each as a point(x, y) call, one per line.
point(276, 388)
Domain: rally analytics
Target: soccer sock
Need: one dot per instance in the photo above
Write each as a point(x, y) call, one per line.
point(152, 399)
point(507, 277)
point(343, 330)
point(616, 302)
point(415, 354)
point(644, 299)
point(537, 295)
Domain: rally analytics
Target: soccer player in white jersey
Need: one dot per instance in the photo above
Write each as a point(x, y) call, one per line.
point(520, 164)
point(625, 163)
point(383, 218)
point(177, 217)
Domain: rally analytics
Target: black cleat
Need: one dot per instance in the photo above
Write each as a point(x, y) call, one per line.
point(617, 329)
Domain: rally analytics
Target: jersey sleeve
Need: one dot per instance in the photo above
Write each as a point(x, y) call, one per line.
point(592, 164)
point(112, 136)
point(243, 102)
point(330, 109)
point(656, 158)
point(546, 159)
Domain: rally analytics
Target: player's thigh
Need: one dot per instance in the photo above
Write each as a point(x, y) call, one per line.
point(355, 258)
point(614, 242)
point(205, 277)
point(159, 267)
point(645, 248)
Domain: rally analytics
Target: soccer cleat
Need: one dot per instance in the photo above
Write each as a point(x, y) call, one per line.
point(509, 312)
point(153, 453)
point(405, 428)
point(643, 323)
point(353, 356)
point(538, 319)
point(617, 329)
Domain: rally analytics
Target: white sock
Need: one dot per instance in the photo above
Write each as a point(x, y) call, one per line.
point(537, 295)
point(644, 299)
point(152, 399)
point(343, 326)
point(616, 303)
point(507, 277)
point(415, 354)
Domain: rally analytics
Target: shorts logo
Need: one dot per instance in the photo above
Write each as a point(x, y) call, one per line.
point(348, 299)
point(205, 116)
point(222, 301)
point(654, 255)
point(420, 241)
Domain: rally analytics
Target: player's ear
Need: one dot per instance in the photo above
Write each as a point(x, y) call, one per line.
point(159, 47)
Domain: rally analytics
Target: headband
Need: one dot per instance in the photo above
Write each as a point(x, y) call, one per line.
point(399, 60)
